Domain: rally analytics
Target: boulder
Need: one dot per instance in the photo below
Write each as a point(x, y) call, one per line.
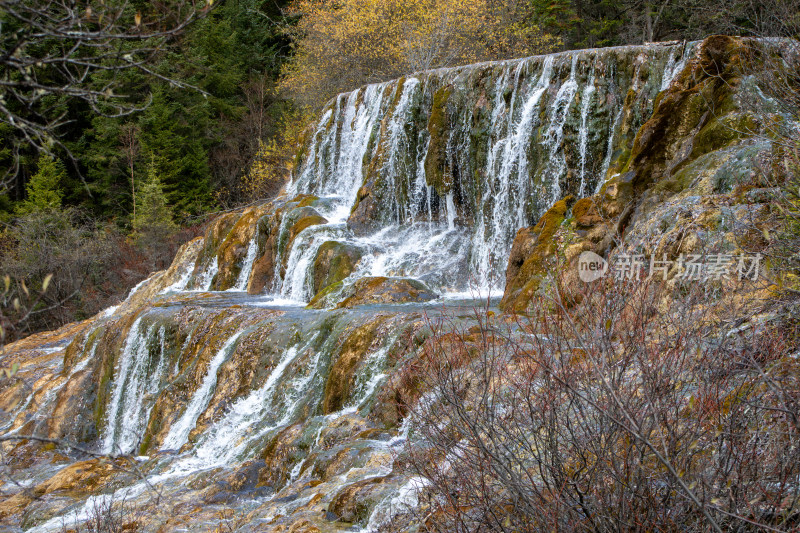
point(354, 502)
point(334, 262)
point(372, 290)
point(233, 250)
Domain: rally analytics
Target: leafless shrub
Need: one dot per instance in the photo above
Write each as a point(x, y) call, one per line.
point(109, 515)
point(629, 411)
point(90, 266)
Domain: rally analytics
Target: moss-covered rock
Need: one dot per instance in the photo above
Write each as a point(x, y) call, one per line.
point(276, 231)
point(327, 297)
point(436, 165)
point(585, 213)
point(216, 232)
point(382, 290)
point(334, 262)
point(354, 503)
point(233, 250)
point(308, 217)
point(704, 88)
point(527, 262)
point(264, 265)
point(340, 378)
point(284, 448)
point(366, 211)
point(699, 142)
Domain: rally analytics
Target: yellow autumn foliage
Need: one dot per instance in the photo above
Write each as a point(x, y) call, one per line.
point(274, 161)
point(343, 44)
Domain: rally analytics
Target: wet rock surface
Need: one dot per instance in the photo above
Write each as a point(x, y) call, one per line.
point(334, 262)
point(678, 191)
point(381, 290)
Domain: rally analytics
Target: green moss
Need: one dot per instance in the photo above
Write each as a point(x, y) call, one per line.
point(306, 200)
point(523, 285)
point(620, 159)
point(723, 131)
point(305, 222)
point(320, 300)
point(436, 171)
point(677, 183)
point(341, 378)
point(398, 93)
point(582, 207)
point(333, 263)
point(145, 444)
point(102, 392)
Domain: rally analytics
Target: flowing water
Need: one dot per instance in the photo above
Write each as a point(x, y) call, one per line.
point(524, 134)
point(207, 382)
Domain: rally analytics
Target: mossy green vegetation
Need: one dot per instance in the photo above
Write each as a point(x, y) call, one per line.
point(436, 165)
point(528, 261)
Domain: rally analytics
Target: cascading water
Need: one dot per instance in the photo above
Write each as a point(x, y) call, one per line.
point(205, 278)
point(137, 378)
point(247, 267)
point(179, 431)
point(586, 102)
point(556, 160)
point(429, 177)
point(506, 196)
point(242, 423)
point(517, 144)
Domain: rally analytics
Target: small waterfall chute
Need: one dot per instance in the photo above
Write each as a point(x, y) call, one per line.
point(137, 379)
point(247, 265)
point(179, 431)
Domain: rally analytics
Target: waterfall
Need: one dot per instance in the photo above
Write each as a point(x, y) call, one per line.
point(586, 101)
point(334, 165)
point(507, 140)
point(398, 173)
point(513, 137)
point(247, 265)
point(266, 408)
point(543, 117)
point(205, 280)
point(137, 379)
point(505, 197)
point(556, 161)
point(179, 431)
point(293, 411)
point(296, 285)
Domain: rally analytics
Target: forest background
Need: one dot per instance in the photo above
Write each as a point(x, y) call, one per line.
point(112, 156)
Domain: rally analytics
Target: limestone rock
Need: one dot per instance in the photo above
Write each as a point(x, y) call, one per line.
point(354, 502)
point(334, 262)
point(531, 248)
point(372, 290)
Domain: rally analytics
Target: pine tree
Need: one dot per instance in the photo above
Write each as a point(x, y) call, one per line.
point(43, 190)
point(153, 216)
